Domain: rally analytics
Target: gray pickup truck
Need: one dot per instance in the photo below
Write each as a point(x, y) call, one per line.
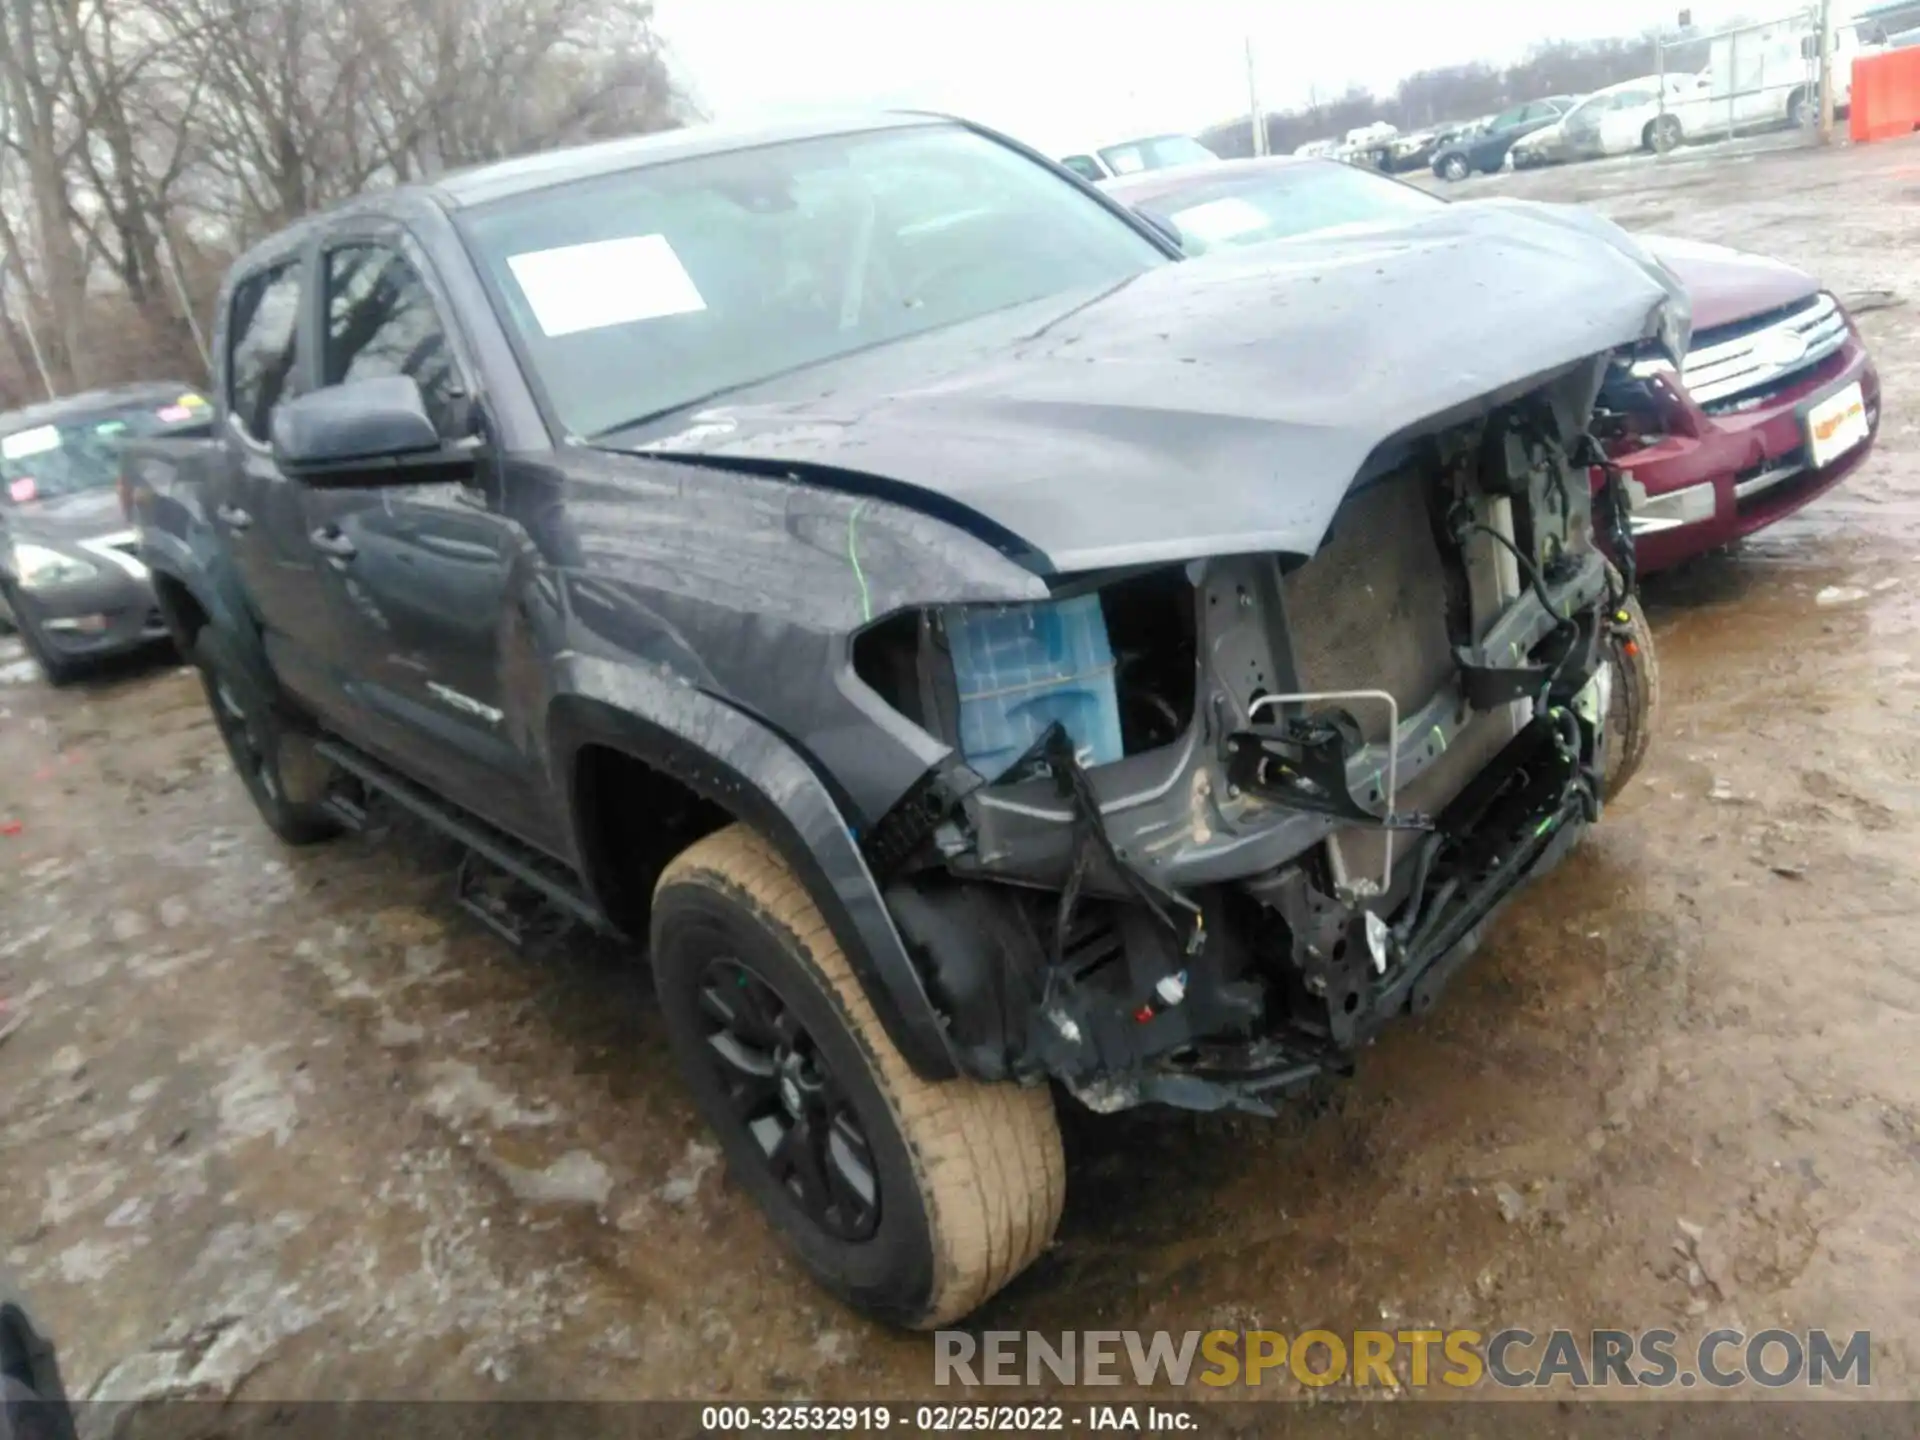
point(980, 652)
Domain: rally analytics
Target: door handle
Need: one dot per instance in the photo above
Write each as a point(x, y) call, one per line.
point(233, 517)
point(332, 543)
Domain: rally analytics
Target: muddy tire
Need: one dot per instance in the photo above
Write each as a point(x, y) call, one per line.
point(911, 1200)
point(283, 777)
point(33, 1398)
point(1634, 712)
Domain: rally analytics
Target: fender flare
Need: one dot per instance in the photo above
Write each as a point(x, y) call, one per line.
point(733, 760)
point(176, 561)
point(200, 567)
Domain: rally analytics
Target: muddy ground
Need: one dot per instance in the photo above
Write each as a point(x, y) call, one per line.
point(282, 1124)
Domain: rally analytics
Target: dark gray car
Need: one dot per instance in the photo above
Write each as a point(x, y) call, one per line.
point(71, 578)
point(978, 649)
point(1486, 149)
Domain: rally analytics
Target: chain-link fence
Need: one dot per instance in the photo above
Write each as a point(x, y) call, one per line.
point(1757, 76)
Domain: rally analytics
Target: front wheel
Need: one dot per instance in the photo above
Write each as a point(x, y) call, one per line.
point(910, 1199)
point(284, 779)
point(1453, 167)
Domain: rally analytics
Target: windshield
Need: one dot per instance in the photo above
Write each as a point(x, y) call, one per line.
point(1587, 112)
point(83, 452)
point(1252, 206)
point(639, 293)
point(1157, 152)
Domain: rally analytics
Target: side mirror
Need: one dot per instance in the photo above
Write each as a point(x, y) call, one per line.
point(365, 432)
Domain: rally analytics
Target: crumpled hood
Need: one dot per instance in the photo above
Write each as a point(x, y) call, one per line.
point(65, 520)
point(1216, 406)
point(1726, 285)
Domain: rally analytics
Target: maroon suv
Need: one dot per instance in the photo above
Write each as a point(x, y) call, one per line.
point(1777, 403)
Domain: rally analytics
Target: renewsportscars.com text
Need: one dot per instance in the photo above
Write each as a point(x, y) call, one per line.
point(1392, 1359)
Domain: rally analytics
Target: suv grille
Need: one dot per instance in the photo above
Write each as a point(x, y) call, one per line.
point(1762, 354)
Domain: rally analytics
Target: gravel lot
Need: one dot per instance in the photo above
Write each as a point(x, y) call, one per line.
point(284, 1125)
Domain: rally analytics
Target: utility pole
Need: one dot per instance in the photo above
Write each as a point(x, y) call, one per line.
point(186, 300)
point(33, 345)
point(1256, 115)
point(1826, 72)
point(1660, 89)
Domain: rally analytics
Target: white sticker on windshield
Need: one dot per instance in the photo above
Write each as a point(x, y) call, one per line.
point(1221, 219)
point(607, 282)
point(23, 443)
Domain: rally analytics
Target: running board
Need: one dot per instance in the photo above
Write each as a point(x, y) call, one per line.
point(540, 872)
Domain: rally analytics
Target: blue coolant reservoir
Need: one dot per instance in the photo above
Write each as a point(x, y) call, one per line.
point(1019, 668)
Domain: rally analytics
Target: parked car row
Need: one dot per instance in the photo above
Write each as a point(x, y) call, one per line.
point(891, 577)
point(1757, 77)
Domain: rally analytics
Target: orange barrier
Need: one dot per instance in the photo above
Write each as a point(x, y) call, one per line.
point(1886, 95)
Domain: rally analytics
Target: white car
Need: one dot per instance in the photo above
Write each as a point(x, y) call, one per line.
point(1129, 157)
point(1542, 147)
point(1626, 117)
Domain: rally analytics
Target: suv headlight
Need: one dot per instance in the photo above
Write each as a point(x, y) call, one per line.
point(36, 567)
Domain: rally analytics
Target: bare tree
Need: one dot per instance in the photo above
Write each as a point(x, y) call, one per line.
point(144, 142)
point(35, 75)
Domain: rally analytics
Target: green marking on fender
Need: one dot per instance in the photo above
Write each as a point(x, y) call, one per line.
point(853, 559)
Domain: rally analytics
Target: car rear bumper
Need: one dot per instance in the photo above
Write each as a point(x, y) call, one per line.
point(1723, 476)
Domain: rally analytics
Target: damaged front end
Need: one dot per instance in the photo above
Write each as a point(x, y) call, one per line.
point(1208, 826)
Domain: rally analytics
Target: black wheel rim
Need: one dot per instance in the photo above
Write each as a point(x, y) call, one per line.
point(244, 741)
point(784, 1093)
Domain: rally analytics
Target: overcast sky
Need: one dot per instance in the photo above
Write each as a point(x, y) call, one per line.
point(1062, 74)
